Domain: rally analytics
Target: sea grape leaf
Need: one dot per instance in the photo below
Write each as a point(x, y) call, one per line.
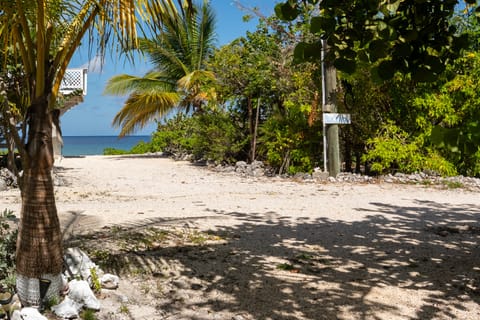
point(424, 74)
point(345, 65)
point(402, 50)
point(377, 49)
point(386, 69)
point(322, 24)
point(306, 52)
point(285, 11)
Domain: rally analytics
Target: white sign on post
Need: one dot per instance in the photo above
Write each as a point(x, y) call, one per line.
point(332, 118)
point(336, 118)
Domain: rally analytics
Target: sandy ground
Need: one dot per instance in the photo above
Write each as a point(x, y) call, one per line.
point(269, 248)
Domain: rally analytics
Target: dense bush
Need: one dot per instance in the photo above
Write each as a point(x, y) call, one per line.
point(216, 136)
point(139, 148)
point(286, 142)
point(210, 135)
point(393, 149)
point(289, 144)
point(114, 152)
point(174, 136)
point(452, 114)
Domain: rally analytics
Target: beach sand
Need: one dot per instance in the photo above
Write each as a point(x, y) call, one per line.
point(268, 248)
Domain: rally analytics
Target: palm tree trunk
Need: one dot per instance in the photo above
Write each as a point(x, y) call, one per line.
point(39, 245)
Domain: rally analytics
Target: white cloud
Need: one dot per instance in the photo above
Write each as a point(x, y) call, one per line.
point(94, 65)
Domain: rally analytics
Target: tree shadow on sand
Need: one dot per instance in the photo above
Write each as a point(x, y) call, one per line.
point(273, 267)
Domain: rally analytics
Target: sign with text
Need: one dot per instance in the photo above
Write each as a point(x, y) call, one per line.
point(336, 118)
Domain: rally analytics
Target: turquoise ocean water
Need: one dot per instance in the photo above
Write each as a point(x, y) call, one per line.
point(94, 145)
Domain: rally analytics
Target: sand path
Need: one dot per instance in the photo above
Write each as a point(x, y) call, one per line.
point(377, 251)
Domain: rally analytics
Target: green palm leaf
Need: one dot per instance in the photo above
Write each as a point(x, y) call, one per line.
point(142, 108)
point(126, 84)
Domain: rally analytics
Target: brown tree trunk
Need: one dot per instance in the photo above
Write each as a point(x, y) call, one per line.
point(39, 244)
point(255, 131)
point(251, 126)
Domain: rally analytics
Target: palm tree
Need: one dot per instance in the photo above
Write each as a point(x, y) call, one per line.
point(181, 44)
point(42, 35)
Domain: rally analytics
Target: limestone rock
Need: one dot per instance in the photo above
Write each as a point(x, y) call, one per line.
point(27, 314)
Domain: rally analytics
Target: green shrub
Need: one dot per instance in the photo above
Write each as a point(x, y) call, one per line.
point(288, 143)
point(391, 150)
point(436, 163)
point(394, 150)
point(97, 286)
point(211, 135)
point(217, 137)
point(140, 148)
point(114, 152)
point(143, 147)
point(174, 136)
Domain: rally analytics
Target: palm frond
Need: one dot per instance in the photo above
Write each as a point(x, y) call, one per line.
point(140, 109)
point(125, 84)
point(182, 41)
point(37, 29)
point(185, 40)
point(195, 79)
point(164, 56)
point(202, 35)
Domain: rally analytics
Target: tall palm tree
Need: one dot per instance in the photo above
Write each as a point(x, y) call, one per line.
point(181, 44)
point(42, 35)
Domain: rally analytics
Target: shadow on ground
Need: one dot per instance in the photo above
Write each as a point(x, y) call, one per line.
point(276, 268)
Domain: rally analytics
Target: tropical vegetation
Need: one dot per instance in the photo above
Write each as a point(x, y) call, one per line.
point(407, 74)
point(268, 83)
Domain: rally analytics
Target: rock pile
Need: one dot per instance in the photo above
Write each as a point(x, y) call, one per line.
point(414, 178)
point(254, 169)
point(258, 169)
point(7, 179)
point(81, 279)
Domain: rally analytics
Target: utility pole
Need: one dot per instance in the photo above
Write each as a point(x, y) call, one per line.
point(329, 88)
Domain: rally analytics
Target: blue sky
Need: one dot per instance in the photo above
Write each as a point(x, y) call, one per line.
point(94, 116)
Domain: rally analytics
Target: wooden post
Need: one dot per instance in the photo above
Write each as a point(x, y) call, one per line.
point(330, 106)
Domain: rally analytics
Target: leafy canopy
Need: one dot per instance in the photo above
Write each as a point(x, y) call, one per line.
point(410, 36)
